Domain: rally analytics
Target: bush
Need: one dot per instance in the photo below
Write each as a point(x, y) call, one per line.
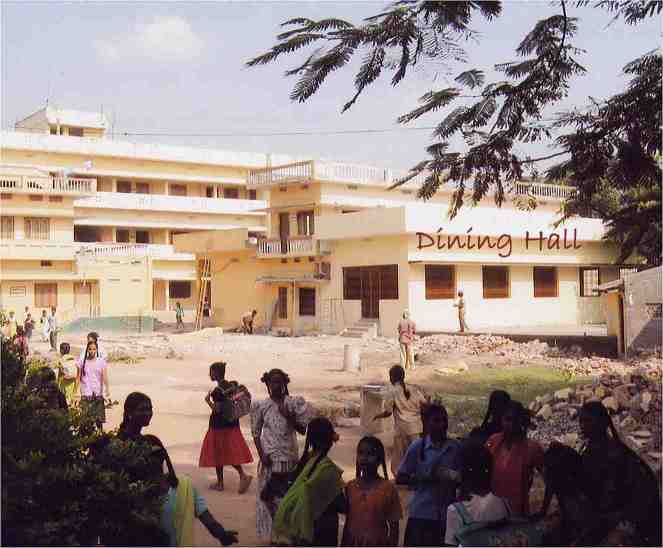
point(65, 483)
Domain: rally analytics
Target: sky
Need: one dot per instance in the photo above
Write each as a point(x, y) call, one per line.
point(179, 67)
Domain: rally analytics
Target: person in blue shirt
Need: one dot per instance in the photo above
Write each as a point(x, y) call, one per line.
point(431, 468)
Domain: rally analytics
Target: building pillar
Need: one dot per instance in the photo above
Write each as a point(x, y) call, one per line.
point(113, 184)
point(166, 189)
point(167, 292)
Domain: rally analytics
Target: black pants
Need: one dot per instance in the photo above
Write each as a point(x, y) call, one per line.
point(424, 532)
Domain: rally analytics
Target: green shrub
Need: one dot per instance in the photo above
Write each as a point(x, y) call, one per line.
point(63, 482)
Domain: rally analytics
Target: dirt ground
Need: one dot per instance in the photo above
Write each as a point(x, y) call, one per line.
point(178, 384)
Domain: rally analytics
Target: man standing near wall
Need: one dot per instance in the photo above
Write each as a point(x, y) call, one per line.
point(406, 332)
point(247, 321)
point(53, 329)
point(460, 304)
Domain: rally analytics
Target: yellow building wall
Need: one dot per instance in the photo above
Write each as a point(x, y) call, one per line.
point(60, 160)
point(17, 294)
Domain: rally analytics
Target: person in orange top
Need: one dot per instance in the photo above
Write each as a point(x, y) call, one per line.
point(514, 458)
point(373, 506)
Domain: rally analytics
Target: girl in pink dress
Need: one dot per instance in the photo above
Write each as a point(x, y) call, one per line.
point(93, 378)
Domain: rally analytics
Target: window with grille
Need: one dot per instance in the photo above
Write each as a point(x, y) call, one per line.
point(7, 228)
point(283, 303)
point(305, 223)
point(495, 282)
point(231, 193)
point(307, 301)
point(57, 199)
point(122, 236)
point(253, 194)
point(177, 190)
point(54, 130)
point(545, 281)
point(142, 237)
point(46, 295)
point(124, 187)
point(352, 283)
point(590, 279)
point(389, 282)
point(37, 228)
point(179, 289)
point(142, 188)
point(76, 132)
point(440, 281)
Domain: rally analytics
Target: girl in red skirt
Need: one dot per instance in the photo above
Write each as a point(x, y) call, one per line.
point(224, 443)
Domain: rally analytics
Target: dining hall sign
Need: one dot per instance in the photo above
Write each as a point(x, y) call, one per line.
point(502, 244)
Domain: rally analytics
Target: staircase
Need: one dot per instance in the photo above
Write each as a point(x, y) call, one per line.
point(363, 329)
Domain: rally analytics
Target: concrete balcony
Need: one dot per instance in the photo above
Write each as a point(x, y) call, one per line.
point(153, 251)
point(180, 204)
point(353, 174)
point(296, 246)
point(56, 186)
point(303, 172)
point(44, 250)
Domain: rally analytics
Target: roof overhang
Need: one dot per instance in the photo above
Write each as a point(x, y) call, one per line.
point(290, 279)
point(286, 207)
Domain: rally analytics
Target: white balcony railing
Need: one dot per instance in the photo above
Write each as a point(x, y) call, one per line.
point(27, 184)
point(542, 190)
point(162, 202)
point(302, 245)
point(154, 251)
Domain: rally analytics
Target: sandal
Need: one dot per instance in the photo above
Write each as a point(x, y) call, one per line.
point(244, 484)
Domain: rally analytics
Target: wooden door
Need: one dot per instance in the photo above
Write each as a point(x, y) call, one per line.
point(370, 292)
point(83, 298)
point(284, 231)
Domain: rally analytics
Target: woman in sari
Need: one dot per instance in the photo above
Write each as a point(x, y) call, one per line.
point(275, 423)
point(404, 403)
point(308, 514)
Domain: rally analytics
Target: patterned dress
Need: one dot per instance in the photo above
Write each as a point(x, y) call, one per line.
point(279, 442)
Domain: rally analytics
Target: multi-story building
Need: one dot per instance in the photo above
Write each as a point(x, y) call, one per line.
point(342, 249)
point(88, 221)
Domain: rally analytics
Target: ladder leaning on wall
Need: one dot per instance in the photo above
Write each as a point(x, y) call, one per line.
point(203, 281)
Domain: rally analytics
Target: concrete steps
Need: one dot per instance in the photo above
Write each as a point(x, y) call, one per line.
point(363, 329)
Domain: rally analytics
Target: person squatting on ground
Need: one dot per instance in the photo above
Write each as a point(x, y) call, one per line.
point(275, 423)
point(373, 506)
point(515, 458)
point(430, 468)
point(404, 403)
point(406, 332)
point(492, 422)
point(308, 514)
point(224, 444)
point(476, 479)
point(94, 383)
point(247, 322)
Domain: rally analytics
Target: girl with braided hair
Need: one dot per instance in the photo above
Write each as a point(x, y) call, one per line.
point(515, 458)
point(373, 505)
point(308, 514)
point(404, 403)
point(275, 423)
point(620, 486)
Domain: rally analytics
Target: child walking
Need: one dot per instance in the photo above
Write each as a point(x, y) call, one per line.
point(224, 444)
point(373, 506)
point(68, 373)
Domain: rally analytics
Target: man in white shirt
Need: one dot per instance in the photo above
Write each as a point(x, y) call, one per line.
point(460, 305)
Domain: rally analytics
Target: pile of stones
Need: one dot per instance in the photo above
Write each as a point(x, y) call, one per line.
point(633, 400)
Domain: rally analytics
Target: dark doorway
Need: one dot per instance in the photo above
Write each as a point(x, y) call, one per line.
point(284, 231)
point(370, 293)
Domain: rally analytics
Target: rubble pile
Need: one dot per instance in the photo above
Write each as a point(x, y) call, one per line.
point(633, 400)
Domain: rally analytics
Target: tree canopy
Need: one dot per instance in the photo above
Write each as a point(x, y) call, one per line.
point(610, 151)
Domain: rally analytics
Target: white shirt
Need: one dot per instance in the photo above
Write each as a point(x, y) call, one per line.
point(486, 508)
